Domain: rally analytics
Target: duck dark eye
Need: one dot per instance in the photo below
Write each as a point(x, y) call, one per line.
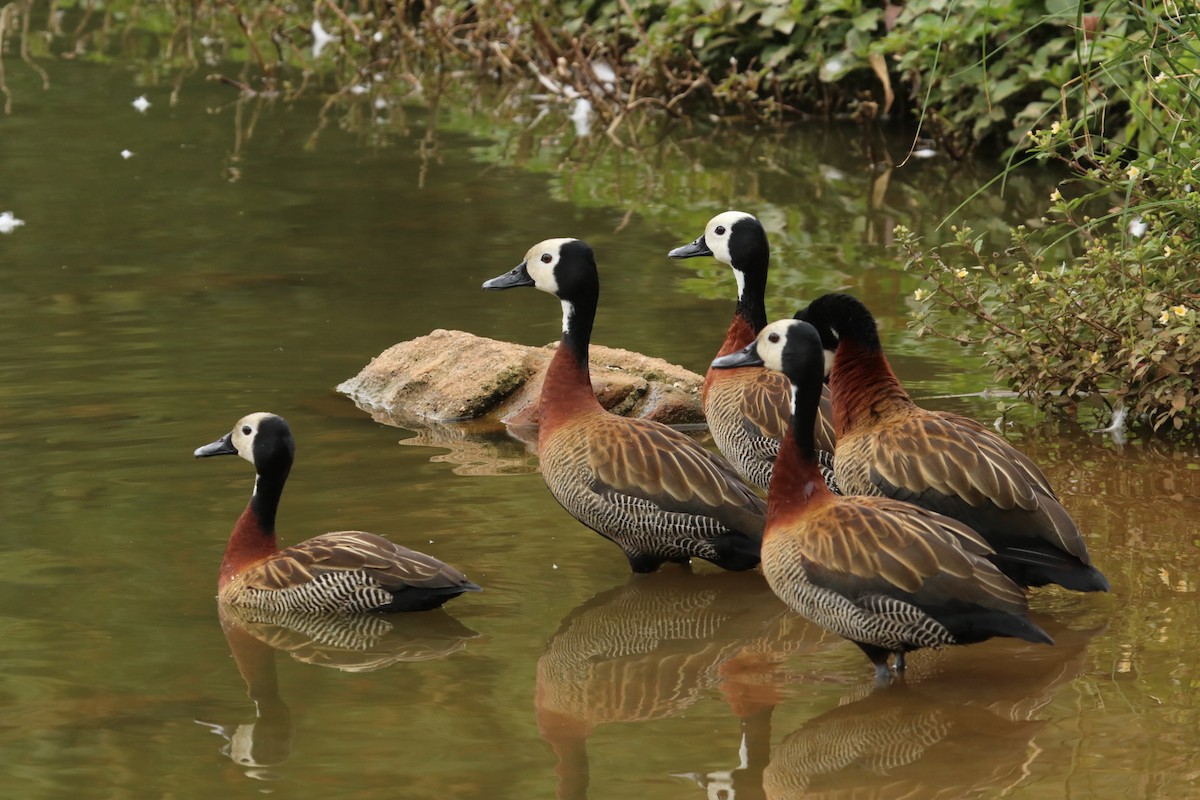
point(547, 258)
point(773, 337)
point(720, 230)
point(246, 430)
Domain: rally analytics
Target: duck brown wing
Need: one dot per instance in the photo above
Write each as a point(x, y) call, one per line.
point(955, 466)
point(652, 462)
point(765, 403)
point(766, 408)
point(387, 564)
point(878, 546)
point(825, 440)
point(926, 457)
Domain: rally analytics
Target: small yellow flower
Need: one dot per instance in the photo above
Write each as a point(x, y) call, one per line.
point(960, 273)
point(920, 294)
point(1180, 311)
point(1095, 358)
point(1181, 339)
point(1035, 279)
point(1132, 172)
point(1056, 196)
point(1055, 127)
point(1164, 318)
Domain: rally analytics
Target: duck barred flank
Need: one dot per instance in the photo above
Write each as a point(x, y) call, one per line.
point(639, 526)
point(874, 619)
point(342, 592)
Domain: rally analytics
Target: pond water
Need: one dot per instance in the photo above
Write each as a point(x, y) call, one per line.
point(243, 260)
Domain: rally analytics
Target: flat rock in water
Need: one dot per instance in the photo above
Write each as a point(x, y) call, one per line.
point(452, 376)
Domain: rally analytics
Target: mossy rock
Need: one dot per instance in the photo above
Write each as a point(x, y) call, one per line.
point(452, 376)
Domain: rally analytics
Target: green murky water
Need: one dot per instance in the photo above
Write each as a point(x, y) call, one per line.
point(236, 262)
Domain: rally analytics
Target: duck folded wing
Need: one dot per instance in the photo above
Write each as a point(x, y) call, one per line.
point(389, 565)
point(957, 467)
point(878, 546)
point(956, 457)
point(651, 462)
point(765, 404)
point(766, 409)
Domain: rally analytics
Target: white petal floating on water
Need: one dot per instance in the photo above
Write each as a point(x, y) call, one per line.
point(126, 154)
point(321, 37)
point(141, 104)
point(8, 222)
point(582, 117)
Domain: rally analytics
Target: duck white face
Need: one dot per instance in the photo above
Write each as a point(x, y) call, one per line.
point(246, 431)
point(539, 270)
point(240, 440)
point(717, 234)
point(541, 261)
point(771, 341)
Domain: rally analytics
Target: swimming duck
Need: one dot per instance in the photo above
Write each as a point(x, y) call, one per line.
point(887, 575)
point(342, 572)
point(654, 492)
point(748, 409)
point(887, 445)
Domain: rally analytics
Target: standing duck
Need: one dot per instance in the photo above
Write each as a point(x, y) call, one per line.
point(748, 409)
point(887, 575)
point(342, 572)
point(887, 445)
point(651, 490)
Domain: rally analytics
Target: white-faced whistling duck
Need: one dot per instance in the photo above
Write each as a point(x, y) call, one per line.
point(887, 575)
point(748, 409)
point(651, 490)
point(342, 572)
point(887, 445)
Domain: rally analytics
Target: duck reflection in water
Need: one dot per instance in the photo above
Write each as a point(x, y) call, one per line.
point(650, 649)
point(956, 727)
point(346, 642)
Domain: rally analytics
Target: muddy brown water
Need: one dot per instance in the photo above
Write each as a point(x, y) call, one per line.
point(149, 302)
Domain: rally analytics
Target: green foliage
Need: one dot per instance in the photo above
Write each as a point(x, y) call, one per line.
point(1119, 319)
point(972, 70)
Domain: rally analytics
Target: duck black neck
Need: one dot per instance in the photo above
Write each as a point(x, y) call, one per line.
point(751, 305)
point(579, 315)
point(268, 488)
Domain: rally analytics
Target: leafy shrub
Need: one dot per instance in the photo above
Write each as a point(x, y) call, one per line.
point(1120, 319)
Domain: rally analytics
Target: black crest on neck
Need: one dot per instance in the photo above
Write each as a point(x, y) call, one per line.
point(750, 254)
point(803, 362)
point(841, 317)
point(578, 283)
point(274, 452)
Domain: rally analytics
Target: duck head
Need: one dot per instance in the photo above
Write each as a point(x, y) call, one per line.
point(263, 439)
